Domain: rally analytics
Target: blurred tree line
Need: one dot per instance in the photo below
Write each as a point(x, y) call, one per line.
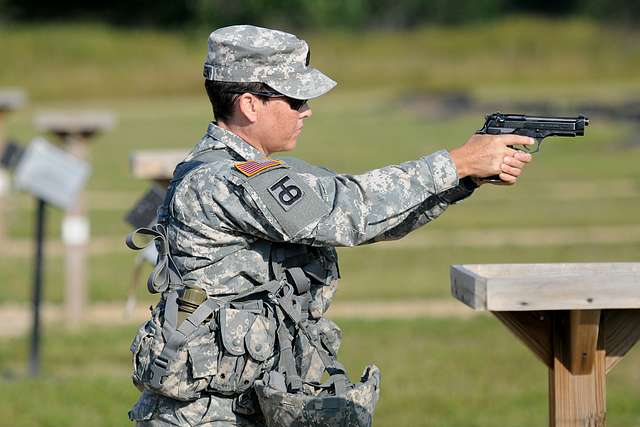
point(306, 14)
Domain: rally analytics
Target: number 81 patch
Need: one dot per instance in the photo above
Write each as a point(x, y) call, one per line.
point(286, 192)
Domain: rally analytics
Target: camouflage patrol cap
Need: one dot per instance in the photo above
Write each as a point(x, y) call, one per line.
point(244, 54)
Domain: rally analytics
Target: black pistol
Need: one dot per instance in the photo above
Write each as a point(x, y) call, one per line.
point(537, 128)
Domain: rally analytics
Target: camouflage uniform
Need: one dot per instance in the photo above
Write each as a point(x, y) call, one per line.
point(225, 222)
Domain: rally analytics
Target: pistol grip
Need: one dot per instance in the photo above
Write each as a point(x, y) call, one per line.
point(495, 179)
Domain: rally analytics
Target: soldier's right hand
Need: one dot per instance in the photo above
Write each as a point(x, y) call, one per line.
point(489, 155)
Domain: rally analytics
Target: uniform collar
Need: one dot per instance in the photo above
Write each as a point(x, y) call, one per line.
point(217, 137)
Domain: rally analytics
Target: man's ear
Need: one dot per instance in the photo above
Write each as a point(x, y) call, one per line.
point(248, 107)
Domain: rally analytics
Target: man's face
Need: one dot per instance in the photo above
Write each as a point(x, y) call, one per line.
point(280, 125)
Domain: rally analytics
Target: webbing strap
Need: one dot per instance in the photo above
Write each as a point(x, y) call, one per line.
point(287, 363)
point(270, 287)
point(286, 303)
point(301, 282)
point(170, 315)
point(335, 369)
point(338, 382)
point(165, 273)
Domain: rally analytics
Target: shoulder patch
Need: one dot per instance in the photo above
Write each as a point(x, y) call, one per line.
point(288, 198)
point(254, 167)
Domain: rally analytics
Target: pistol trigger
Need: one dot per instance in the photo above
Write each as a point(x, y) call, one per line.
point(523, 148)
point(538, 142)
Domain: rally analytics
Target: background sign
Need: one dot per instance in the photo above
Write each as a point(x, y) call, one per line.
point(51, 174)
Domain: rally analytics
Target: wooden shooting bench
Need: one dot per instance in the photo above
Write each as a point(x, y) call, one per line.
point(579, 319)
point(156, 165)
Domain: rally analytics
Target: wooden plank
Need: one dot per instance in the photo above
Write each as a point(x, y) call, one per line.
point(583, 339)
point(535, 287)
point(575, 400)
point(11, 99)
point(468, 287)
point(81, 122)
point(621, 330)
point(588, 291)
point(533, 328)
point(155, 164)
point(490, 271)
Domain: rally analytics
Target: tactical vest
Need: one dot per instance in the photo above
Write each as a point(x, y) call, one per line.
point(269, 338)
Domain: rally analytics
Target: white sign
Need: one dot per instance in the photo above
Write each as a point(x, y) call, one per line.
point(51, 174)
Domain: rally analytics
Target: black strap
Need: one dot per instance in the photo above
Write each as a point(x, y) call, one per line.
point(466, 186)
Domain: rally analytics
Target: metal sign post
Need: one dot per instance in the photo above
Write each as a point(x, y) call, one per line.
point(75, 130)
point(54, 177)
point(10, 99)
point(34, 354)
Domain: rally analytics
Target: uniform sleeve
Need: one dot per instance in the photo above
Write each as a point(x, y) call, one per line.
point(326, 209)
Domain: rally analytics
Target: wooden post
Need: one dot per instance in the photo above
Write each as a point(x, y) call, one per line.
point(10, 99)
point(577, 399)
point(75, 131)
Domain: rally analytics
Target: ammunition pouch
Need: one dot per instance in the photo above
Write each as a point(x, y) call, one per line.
point(222, 347)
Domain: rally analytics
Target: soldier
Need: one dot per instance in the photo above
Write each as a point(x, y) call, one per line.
point(251, 239)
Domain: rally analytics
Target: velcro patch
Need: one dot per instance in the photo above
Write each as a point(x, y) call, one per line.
point(254, 167)
point(286, 192)
point(291, 202)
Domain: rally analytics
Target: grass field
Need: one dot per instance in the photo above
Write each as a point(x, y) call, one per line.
point(435, 374)
point(514, 56)
point(577, 202)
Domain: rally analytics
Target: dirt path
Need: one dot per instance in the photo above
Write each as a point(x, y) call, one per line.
point(16, 318)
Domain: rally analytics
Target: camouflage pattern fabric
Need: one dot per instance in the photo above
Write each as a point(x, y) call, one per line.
point(354, 409)
point(152, 410)
point(224, 228)
point(244, 53)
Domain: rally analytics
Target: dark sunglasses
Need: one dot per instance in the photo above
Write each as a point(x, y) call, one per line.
point(295, 104)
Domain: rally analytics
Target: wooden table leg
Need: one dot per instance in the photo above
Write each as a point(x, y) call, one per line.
point(580, 347)
point(577, 397)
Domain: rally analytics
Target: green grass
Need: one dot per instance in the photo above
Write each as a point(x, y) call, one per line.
point(109, 278)
point(451, 373)
point(517, 55)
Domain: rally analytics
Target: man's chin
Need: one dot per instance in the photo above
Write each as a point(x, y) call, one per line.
point(291, 145)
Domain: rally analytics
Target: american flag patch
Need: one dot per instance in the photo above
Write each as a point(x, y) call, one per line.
point(254, 167)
